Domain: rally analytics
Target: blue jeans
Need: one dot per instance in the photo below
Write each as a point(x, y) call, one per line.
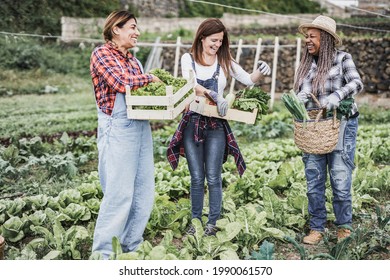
point(205, 161)
point(126, 172)
point(340, 165)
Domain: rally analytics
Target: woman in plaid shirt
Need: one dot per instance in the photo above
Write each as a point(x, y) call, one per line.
point(125, 145)
point(331, 75)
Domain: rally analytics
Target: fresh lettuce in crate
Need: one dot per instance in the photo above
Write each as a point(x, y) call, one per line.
point(158, 89)
point(251, 98)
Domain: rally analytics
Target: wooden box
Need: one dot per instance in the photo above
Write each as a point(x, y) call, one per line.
point(170, 101)
point(202, 106)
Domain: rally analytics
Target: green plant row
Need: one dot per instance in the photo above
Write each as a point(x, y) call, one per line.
point(268, 202)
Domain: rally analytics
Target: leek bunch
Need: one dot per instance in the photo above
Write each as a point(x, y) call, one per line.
point(295, 106)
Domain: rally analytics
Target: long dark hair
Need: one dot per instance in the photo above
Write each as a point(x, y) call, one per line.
point(326, 57)
point(206, 28)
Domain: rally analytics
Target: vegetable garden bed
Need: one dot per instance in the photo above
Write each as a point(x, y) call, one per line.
point(56, 212)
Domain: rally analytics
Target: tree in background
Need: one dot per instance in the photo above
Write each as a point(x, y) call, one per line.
point(193, 9)
point(44, 16)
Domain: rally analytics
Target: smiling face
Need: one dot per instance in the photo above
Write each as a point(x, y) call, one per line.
point(212, 43)
point(126, 37)
point(312, 39)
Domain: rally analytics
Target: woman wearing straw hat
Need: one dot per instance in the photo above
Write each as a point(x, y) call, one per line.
point(331, 75)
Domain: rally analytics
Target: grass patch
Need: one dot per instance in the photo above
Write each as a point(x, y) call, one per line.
point(71, 108)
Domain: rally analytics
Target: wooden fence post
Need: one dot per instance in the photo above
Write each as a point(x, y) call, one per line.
point(238, 54)
point(298, 56)
point(177, 57)
point(274, 68)
point(257, 55)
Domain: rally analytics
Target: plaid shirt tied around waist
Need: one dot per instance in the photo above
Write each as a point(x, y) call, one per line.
point(176, 146)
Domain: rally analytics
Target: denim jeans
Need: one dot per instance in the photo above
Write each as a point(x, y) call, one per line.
point(340, 165)
point(205, 161)
point(126, 172)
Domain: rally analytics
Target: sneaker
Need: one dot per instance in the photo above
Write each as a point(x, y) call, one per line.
point(313, 238)
point(210, 230)
point(190, 230)
point(343, 233)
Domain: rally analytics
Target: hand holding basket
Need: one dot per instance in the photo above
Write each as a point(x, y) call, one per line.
point(319, 135)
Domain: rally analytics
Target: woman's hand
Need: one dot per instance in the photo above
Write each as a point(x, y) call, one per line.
point(303, 97)
point(332, 101)
point(155, 79)
point(199, 91)
point(263, 67)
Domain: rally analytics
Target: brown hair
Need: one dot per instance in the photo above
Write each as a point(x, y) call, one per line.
point(326, 57)
point(116, 18)
point(206, 28)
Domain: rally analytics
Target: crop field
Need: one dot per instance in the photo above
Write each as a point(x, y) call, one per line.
point(50, 191)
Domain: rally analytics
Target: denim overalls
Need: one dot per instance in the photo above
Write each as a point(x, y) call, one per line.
point(126, 172)
point(205, 159)
point(340, 165)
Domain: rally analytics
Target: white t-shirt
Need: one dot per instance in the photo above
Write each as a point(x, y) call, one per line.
point(206, 72)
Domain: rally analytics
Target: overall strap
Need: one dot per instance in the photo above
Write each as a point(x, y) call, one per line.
point(193, 62)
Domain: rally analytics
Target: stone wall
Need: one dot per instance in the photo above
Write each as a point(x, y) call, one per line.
point(74, 28)
point(371, 57)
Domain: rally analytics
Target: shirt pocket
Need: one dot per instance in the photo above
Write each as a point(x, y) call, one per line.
point(335, 78)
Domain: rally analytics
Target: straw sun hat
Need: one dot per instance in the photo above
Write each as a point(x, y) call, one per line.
point(324, 23)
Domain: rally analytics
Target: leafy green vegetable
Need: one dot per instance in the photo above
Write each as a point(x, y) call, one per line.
point(15, 207)
point(37, 218)
point(159, 89)
point(75, 212)
point(295, 106)
point(344, 109)
point(12, 229)
point(213, 247)
point(265, 252)
point(36, 202)
point(252, 98)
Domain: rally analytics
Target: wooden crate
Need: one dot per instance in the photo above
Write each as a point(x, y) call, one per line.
point(169, 101)
point(202, 106)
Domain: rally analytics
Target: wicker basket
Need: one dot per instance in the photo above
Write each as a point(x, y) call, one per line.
point(319, 135)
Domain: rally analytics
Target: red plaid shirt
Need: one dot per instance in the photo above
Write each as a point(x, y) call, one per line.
point(176, 146)
point(111, 71)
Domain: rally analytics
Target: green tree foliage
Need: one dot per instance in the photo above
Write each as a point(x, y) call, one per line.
point(44, 16)
point(292, 6)
point(193, 9)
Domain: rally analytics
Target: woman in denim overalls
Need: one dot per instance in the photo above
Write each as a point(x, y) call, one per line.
point(331, 75)
point(125, 146)
point(206, 141)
